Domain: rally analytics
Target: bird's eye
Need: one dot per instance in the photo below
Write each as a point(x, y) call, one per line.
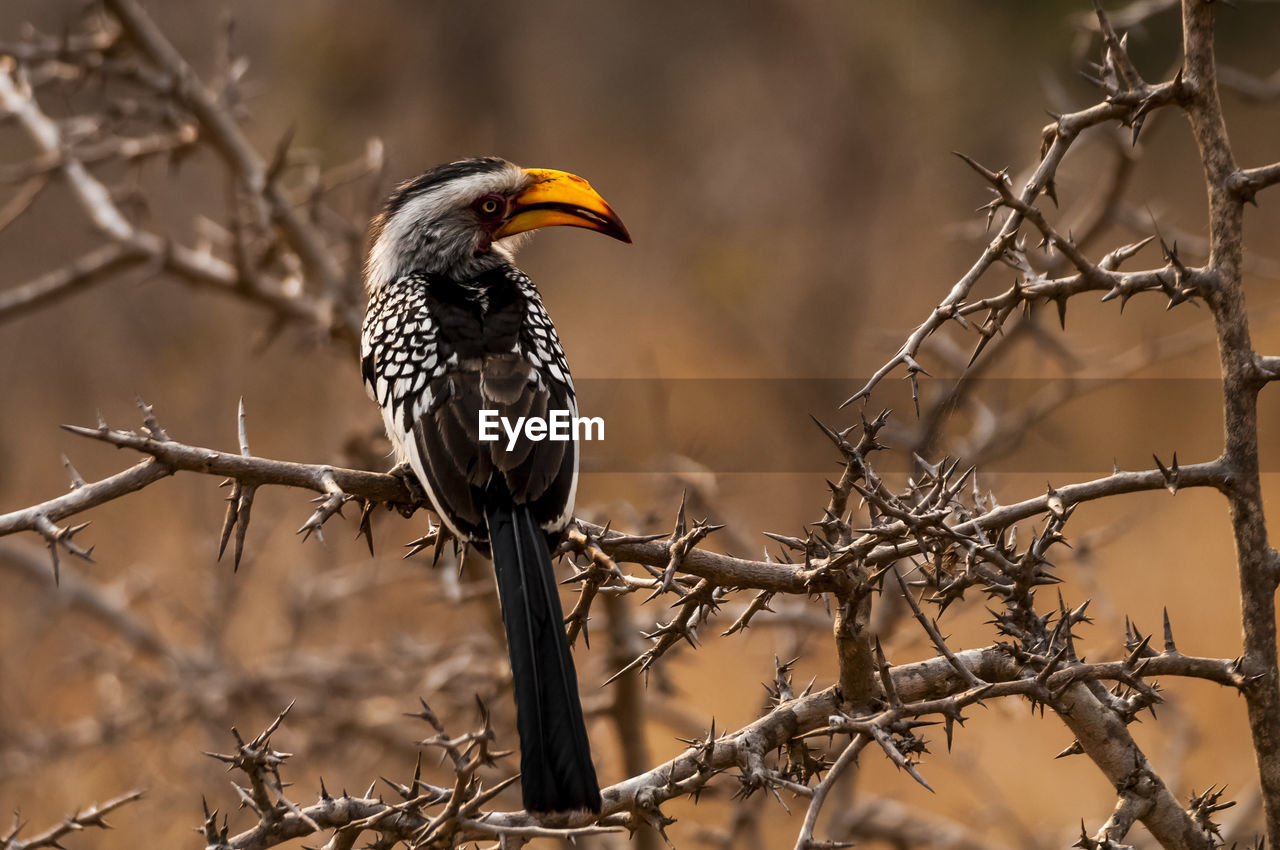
point(489, 206)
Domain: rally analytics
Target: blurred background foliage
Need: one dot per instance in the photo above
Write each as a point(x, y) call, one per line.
point(785, 170)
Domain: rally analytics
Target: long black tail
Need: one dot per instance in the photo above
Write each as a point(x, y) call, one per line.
point(555, 756)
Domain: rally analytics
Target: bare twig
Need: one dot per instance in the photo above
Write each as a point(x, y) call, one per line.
point(93, 817)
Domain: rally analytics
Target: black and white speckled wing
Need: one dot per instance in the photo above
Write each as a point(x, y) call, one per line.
point(400, 353)
point(553, 497)
point(405, 371)
point(539, 341)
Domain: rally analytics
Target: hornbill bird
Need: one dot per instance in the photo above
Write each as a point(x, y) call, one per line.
point(454, 328)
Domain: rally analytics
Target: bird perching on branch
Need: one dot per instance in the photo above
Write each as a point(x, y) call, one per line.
point(453, 328)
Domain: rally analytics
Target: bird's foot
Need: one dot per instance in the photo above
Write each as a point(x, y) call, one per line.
point(406, 475)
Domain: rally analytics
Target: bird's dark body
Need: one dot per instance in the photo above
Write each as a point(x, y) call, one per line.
point(465, 346)
point(453, 328)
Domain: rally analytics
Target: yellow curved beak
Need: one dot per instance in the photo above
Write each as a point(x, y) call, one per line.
point(557, 197)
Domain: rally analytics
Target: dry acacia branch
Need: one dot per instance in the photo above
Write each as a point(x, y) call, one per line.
point(16, 100)
point(1059, 137)
point(848, 756)
point(1133, 805)
point(169, 456)
point(1246, 183)
point(923, 688)
point(1103, 736)
point(1192, 244)
point(253, 172)
point(130, 246)
point(42, 518)
point(1006, 429)
point(1129, 100)
point(1240, 385)
point(94, 267)
point(999, 433)
point(92, 818)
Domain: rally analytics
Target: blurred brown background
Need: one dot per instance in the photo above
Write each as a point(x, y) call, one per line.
point(785, 170)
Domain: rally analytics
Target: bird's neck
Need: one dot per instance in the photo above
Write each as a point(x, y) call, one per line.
point(465, 268)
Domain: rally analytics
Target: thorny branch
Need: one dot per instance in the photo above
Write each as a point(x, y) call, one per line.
point(1127, 102)
point(923, 689)
point(1255, 558)
point(893, 537)
point(266, 261)
point(94, 817)
point(929, 519)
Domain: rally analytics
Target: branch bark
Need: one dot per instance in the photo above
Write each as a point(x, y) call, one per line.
point(131, 246)
point(1241, 381)
point(169, 456)
point(239, 154)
